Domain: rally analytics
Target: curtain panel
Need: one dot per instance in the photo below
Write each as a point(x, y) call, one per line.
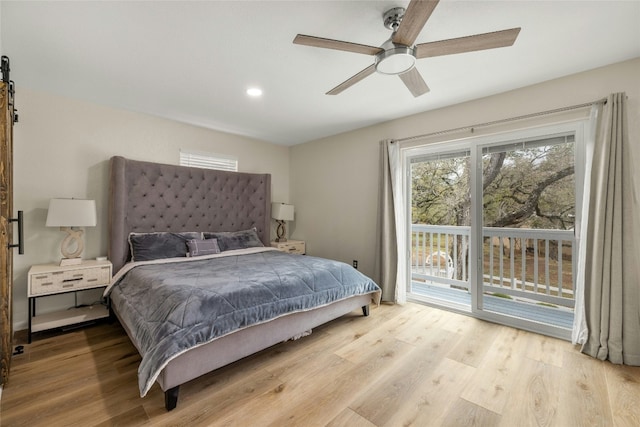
point(391, 256)
point(612, 287)
point(580, 331)
point(386, 242)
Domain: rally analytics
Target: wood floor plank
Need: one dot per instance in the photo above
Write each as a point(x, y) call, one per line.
point(393, 329)
point(464, 413)
point(547, 349)
point(494, 380)
point(534, 401)
point(433, 396)
point(215, 405)
point(420, 325)
point(403, 382)
point(459, 324)
point(476, 341)
point(295, 398)
point(584, 396)
point(624, 397)
point(321, 402)
point(402, 365)
point(348, 418)
point(133, 417)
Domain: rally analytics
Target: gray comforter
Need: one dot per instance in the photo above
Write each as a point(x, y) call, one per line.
point(174, 306)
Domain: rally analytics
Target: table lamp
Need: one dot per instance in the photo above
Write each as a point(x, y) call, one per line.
point(69, 214)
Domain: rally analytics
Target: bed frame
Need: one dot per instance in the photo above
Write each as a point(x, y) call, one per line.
point(147, 197)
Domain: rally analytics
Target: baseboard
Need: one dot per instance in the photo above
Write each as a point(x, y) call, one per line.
point(20, 336)
point(20, 325)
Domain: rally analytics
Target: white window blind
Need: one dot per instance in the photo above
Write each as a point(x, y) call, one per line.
point(200, 159)
point(530, 143)
point(440, 156)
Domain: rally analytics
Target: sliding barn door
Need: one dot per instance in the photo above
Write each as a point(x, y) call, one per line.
point(6, 228)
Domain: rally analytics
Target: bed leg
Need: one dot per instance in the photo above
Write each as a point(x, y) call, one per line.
point(365, 310)
point(171, 398)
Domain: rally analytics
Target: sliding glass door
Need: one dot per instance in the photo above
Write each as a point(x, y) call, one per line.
point(528, 215)
point(441, 223)
point(492, 226)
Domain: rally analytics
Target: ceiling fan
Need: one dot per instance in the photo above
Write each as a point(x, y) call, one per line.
point(397, 56)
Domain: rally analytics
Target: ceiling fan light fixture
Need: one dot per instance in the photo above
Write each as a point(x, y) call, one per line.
point(394, 61)
point(398, 55)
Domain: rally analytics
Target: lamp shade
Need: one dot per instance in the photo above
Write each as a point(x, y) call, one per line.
point(71, 213)
point(282, 212)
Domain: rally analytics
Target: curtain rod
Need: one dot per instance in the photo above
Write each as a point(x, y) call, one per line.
point(510, 119)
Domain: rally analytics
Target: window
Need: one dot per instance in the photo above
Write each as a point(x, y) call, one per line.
point(201, 159)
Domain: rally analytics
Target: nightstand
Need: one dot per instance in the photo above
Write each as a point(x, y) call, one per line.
point(51, 279)
point(290, 246)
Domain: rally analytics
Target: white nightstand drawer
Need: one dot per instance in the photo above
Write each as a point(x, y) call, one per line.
point(291, 246)
point(63, 279)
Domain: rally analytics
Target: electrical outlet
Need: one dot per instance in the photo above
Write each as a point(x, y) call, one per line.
point(355, 264)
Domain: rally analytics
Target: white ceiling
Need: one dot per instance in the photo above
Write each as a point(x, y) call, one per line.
point(192, 61)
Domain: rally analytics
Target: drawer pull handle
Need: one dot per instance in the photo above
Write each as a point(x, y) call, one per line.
point(42, 277)
point(46, 284)
point(92, 280)
point(72, 280)
point(69, 285)
point(58, 272)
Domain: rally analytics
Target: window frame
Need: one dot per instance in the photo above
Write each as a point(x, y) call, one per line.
point(580, 128)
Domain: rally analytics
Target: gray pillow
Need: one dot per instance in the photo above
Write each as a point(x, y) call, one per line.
point(228, 240)
point(198, 247)
point(150, 246)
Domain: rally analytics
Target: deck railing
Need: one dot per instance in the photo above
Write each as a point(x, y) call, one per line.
point(521, 263)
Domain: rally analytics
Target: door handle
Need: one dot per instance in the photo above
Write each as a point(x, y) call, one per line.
point(20, 244)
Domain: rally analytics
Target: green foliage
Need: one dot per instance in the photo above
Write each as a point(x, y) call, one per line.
point(527, 188)
point(439, 190)
point(500, 295)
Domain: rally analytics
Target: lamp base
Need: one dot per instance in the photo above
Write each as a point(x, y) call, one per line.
point(281, 231)
point(70, 261)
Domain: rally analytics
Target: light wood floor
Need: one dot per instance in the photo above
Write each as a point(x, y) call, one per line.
point(401, 366)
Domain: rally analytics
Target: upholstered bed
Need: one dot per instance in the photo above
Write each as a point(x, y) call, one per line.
point(286, 295)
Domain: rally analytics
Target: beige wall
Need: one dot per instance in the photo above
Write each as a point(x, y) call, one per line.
point(334, 181)
point(62, 149)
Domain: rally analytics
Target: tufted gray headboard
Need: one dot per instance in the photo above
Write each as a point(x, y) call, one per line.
point(147, 197)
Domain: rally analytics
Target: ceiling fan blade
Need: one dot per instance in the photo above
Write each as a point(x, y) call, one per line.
point(336, 44)
point(473, 43)
point(353, 80)
point(414, 82)
point(416, 15)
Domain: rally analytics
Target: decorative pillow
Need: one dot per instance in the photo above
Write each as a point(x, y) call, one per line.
point(150, 246)
point(228, 240)
point(198, 247)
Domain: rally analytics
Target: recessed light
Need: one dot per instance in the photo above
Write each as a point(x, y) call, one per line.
point(254, 92)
